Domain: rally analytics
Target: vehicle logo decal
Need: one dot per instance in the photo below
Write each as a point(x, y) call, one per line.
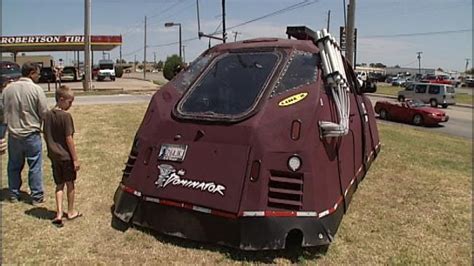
point(170, 176)
point(292, 99)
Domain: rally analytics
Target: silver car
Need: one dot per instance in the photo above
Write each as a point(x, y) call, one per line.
point(434, 94)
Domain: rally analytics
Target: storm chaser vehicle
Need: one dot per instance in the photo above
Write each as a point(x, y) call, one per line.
point(255, 144)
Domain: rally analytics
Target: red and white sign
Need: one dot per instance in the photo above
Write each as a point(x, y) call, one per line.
point(58, 39)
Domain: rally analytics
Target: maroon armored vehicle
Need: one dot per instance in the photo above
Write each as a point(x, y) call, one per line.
point(255, 144)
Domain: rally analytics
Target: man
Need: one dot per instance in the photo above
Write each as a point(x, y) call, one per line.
point(24, 109)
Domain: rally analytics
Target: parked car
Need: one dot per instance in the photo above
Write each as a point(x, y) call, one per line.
point(410, 111)
point(434, 94)
point(438, 79)
point(9, 71)
point(69, 74)
point(47, 74)
point(399, 82)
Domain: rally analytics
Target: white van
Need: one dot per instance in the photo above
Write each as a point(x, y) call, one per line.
point(434, 94)
point(106, 70)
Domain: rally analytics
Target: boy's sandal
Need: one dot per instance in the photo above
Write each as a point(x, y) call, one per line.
point(79, 214)
point(58, 223)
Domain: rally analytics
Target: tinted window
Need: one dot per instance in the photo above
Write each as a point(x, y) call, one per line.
point(184, 79)
point(106, 66)
point(420, 88)
point(410, 87)
point(231, 85)
point(10, 69)
point(434, 89)
point(450, 89)
point(301, 70)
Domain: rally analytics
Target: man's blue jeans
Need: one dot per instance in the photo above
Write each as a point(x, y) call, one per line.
point(31, 149)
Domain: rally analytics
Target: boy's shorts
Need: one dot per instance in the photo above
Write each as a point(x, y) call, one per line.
point(63, 171)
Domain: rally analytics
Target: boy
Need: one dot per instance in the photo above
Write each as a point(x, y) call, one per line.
point(58, 133)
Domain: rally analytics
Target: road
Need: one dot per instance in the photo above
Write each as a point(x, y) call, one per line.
point(459, 124)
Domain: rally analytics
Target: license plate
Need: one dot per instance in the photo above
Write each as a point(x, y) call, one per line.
point(172, 152)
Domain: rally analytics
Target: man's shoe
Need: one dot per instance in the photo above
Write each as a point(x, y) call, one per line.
point(35, 202)
point(13, 199)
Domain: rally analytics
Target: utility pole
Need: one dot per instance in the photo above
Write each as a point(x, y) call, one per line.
point(120, 51)
point(467, 64)
point(154, 58)
point(329, 19)
point(223, 22)
point(135, 63)
point(350, 32)
point(144, 54)
point(419, 62)
point(184, 54)
point(235, 35)
point(87, 45)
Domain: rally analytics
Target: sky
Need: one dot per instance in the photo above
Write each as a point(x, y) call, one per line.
point(389, 31)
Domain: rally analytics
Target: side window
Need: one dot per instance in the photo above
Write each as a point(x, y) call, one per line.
point(433, 89)
point(301, 70)
point(184, 79)
point(420, 88)
point(410, 87)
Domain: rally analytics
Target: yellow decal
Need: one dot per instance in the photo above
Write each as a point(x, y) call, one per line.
point(293, 99)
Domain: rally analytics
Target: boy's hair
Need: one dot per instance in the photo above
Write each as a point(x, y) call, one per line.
point(28, 67)
point(65, 92)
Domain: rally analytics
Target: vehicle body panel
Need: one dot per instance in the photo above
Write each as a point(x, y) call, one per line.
point(248, 154)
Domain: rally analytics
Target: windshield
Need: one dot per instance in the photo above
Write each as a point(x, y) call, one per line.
point(415, 103)
point(106, 66)
point(10, 69)
point(231, 86)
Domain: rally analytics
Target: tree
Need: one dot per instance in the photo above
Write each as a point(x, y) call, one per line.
point(173, 65)
point(380, 65)
point(470, 71)
point(159, 65)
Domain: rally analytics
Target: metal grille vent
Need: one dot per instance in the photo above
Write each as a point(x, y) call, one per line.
point(285, 190)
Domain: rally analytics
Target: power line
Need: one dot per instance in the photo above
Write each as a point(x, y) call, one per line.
point(415, 34)
point(139, 23)
point(277, 12)
point(274, 13)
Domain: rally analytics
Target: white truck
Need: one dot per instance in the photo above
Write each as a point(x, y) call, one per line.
point(106, 70)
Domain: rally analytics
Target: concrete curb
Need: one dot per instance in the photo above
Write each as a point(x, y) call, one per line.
point(150, 80)
point(395, 97)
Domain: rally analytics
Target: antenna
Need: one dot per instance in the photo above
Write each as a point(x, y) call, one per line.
point(202, 34)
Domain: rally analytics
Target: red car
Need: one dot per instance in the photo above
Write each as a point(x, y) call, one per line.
point(412, 111)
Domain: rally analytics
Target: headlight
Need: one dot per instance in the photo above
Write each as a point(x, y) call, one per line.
point(294, 163)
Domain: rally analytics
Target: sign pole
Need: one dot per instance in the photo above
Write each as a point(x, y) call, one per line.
point(87, 45)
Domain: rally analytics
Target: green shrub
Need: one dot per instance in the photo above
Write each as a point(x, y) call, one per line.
point(172, 66)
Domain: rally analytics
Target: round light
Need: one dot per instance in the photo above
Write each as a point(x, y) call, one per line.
point(294, 163)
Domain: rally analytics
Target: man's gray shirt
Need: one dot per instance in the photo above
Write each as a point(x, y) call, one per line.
point(24, 107)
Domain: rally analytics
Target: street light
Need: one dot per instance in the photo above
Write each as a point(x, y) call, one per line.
point(172, 24)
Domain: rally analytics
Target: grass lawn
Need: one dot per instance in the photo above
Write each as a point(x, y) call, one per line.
point(414, 207)
point(463, 98)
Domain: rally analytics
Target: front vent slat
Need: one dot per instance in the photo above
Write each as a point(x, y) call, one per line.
point(285, 190)
point(286, 202)
point(286, 180)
